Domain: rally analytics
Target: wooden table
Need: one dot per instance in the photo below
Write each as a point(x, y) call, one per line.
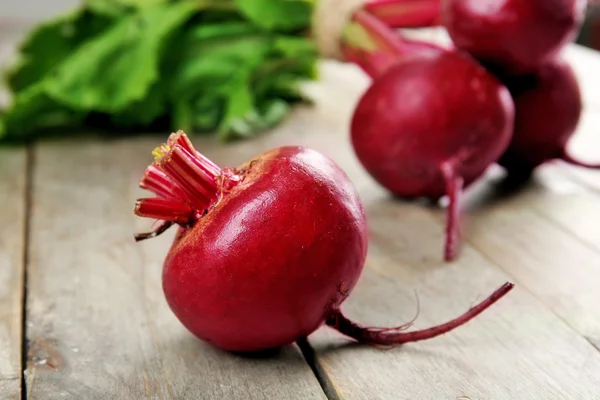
point(82, 315)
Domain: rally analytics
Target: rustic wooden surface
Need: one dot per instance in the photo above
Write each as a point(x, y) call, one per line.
point(13, 167)
point(97, 326)
point(13, 198)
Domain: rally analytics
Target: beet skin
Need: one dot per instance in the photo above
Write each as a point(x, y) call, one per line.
point(293, 226)
point(431, 125)
point(513, 36)
point(548, 108)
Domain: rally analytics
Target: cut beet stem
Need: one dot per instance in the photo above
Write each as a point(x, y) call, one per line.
point(396, 336)
point(187, 184)
point(173, 210)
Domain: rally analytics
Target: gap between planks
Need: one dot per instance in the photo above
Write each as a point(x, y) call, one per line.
point(554, 214)
point(532, 293)
point(320, 373)
point(29, 166)
point(12, 242)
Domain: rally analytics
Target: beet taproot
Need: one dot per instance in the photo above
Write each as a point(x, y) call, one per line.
point(266, 252)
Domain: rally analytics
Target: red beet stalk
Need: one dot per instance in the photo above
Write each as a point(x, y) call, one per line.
point(406, 13)
point(373, 46)
point(267, 252)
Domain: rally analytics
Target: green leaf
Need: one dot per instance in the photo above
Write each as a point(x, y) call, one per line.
point(116, 7)
point(240, 77)
point(240, 105)
point(278, 15)
point(114, 72)
point(46, 46)
point(33, 108)
point(207, 112)
point(143, 111)
point(230, 66)
point(118, 68)
point(212, 64)
point(209, 84)
point(295, 47)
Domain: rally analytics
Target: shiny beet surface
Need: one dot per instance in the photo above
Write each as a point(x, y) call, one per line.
point(548, 107)
point(515, 36)
point(426, 111)
point(275, 256)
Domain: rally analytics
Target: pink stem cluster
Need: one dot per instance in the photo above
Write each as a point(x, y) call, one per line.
point(186, 182)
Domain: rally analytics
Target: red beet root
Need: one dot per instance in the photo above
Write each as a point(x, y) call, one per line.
point(548, 107)
point(514, 36)
point(267, 252)
point(430, 126)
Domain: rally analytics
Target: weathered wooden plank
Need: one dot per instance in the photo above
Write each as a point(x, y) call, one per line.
point(13, 169)
point(512, 342)
point(99, 327)
point(13, 176)
point(569, 203)
point(545, 236)
point(504, 354)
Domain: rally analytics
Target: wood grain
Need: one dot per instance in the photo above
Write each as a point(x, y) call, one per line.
point(99, 327)
point(517, 349)
point(546, 236)
point(13, 169)
point(13, 172)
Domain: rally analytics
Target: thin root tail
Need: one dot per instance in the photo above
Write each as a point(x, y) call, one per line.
point(396, 336)
point(164, 225)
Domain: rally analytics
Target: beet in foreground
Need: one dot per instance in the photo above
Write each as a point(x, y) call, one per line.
point(267, 252)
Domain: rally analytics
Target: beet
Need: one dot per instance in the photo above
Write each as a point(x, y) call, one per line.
point(431, 125)
point(513, 36)
point(548, 108)
point(266, 252)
